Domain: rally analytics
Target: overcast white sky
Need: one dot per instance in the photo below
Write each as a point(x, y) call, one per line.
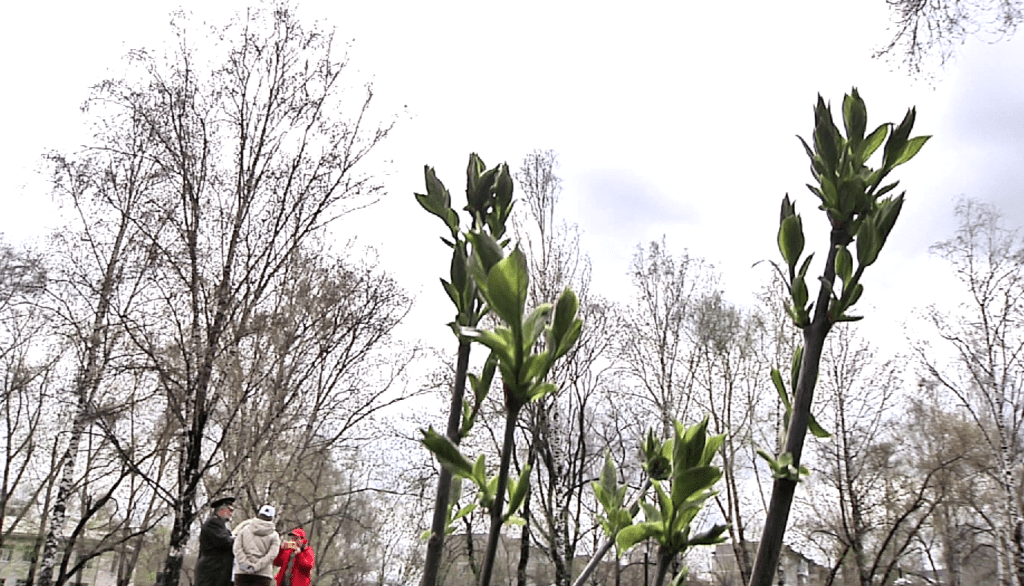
point(669, 118)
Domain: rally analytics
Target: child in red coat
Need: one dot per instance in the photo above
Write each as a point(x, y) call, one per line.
point(295, 560)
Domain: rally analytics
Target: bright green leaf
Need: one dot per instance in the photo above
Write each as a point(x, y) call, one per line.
point(479, 475)
point(534, 325)
point(507, 286)
point(780, 388)
point(710, 537)
point(816, 429)
point(463, 512)
point(634, 534)
point(691, 482)
point(518, 490)
point(844, 263)
point(569, 339)
point(794, 368)
point(538, 391)
point(791, 240)
point(910, 150)
point(565, 315)
point(498, 343)
point(664, 502)
point(447, 453)
point(711, 448)
point(868, 243)
point(651, 512)
point(873, 141)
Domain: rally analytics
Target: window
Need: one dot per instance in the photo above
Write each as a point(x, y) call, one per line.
point(5, 554)
point(28, 555)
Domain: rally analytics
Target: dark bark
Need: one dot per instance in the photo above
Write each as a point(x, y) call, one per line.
point(783, 489)
point(664, 565)
point(610, 542)
point(435, 544)
point(524, 544)
point(497, 508)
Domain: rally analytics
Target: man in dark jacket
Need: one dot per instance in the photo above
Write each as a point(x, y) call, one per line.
point(215, 541)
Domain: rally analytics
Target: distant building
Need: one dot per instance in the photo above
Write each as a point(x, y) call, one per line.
point(19, 553)
point(795, 569)
point(637, 568)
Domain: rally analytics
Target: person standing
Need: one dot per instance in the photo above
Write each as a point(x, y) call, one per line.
point(255, 546)
point(295, 559)
point(215, 541)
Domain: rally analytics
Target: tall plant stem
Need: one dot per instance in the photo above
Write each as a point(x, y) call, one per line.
point(499, 497)
point(435, 544)
point(608, 543)
point(768, 551)
point(664, 562)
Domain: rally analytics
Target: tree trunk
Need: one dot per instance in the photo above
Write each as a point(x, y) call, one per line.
point(58, 514)
point(526, 536)
point(524, 544)
point(171, 575)
point(90, 374)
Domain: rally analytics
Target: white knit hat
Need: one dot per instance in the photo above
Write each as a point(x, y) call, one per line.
point(267, 511)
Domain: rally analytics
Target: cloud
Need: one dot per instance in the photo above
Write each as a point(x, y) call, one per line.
point(620, 204)
point(982, 125)
point(987, 126)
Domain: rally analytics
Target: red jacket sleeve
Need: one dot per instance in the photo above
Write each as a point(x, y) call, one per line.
point(305, 560)
point(282, 557)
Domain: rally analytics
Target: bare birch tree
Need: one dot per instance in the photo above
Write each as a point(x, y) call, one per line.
point(28, 390)
point(657, 351)
point(559, 442)
point(99, 264)
point(874, 494)
point(733, 391)
point(252, 156)
point(937, 28)
point(987, 371)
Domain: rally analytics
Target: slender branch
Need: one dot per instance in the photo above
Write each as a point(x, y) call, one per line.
point(432, 563)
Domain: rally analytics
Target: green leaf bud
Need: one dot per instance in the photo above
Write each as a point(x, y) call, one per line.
point(517, 491)
point(791, 240)
point(826, 138)
point(486, 249)
point(507, 284)
point(910, 150)
point(897, 143)
point(788, 209)
point(888, 212)
point(503, 188)
point(855, 118)
point(844, 263)
point(818, 431)
point(873, 141)
point(855, 294)
point(447, 453)
point(473, 171)
point(868, 243)
point(800, 294)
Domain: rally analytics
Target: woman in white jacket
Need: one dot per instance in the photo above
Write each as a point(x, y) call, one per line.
point(255, 547)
